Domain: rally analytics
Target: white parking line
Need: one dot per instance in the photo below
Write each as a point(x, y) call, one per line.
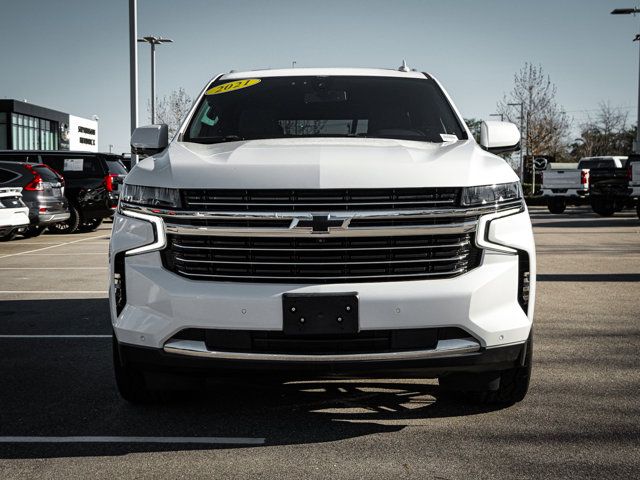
point(64, 254)
point(54, 336)
point(53, 246)
point(114, 439)
point(54, 292)
point(53, 268)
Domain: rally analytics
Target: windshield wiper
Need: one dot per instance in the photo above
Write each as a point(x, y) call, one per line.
point(221, 139)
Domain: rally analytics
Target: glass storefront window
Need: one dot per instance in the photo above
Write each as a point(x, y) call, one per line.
point(32, 133)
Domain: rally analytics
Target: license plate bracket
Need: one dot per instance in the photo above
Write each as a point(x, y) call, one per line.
point(320, 313)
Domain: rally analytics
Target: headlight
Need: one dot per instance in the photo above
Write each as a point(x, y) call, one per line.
point(491, 194)
point(151, 196)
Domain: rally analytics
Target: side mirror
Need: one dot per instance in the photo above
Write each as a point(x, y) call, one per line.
point(149, 139)
point(499, 137)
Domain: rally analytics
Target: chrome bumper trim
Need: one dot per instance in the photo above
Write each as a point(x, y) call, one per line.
point(445, 348)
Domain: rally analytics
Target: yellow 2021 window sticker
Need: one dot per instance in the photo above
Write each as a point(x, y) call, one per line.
point(232, 86)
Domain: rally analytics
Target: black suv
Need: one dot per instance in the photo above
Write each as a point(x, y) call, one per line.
point(42, 192)
point(92, 181)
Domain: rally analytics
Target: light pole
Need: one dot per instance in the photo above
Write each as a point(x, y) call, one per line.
point(153, 41)
point(521, 168)
point(501, 115)
point(633, 11)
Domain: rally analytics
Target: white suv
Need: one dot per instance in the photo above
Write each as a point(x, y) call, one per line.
point(324, 221)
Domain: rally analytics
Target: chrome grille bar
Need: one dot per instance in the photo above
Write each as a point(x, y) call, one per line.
point(284, 249)
point(305, 263)
point(290, 279)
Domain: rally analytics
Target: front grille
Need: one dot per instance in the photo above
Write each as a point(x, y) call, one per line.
point(320, 259)
point(305, 200)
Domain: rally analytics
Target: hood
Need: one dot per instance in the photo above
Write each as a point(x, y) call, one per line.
point(322, 163)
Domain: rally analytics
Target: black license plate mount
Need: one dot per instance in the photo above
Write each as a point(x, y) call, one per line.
point(320, 313)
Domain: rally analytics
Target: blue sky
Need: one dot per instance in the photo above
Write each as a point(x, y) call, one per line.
point(72, 55)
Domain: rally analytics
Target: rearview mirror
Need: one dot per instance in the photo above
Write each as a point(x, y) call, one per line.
point(149, 139)
point(499, 137)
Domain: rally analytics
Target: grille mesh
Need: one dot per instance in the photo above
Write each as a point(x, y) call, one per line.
point(320, 260)
point(318, 200)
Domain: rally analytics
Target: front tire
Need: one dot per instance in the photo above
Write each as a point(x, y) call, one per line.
point(506, 387)
point(557, 205)
point(130, 381)
point(68, 226)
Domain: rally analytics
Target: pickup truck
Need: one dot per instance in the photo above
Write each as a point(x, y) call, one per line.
point(329, 221)
point(633, 170)
point(609, 187)
point(561, 187)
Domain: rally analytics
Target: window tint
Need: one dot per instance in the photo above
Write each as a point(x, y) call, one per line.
point(46, 173)
point(75, 166)
point(597, 163)
point(115, 166)
point(7, 175)
point(334, 106)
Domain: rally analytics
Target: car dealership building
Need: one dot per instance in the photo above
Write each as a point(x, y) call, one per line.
point(24, 126)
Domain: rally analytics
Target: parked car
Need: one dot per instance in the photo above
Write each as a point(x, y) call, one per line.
point(570, 186)
point(92, 183)
point(609, 187)
point(14, 214)
point(633, 171)
point(42, 192)
point(324, 221)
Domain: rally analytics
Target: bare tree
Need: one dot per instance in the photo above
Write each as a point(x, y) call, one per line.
point(545, 124)
point(173, 108)
point(606, 133)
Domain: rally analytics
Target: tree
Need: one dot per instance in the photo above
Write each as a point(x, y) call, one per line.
point(546, 124)
point(606, 133)
point(173, 108)
point(474, 126)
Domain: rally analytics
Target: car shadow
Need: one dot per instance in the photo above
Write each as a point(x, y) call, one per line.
point(60, 387)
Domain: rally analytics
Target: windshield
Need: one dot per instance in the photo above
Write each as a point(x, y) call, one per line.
point(285, 107)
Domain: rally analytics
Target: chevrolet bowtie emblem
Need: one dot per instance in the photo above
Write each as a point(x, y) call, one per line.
point(320, 223)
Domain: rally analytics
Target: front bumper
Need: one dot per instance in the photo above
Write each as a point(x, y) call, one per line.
point(483, 302)
point(481, 360)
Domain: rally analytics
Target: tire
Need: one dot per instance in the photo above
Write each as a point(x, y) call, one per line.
point(68, 226)
point(33, 231)
point(603, 206)
point(130, 381)
point(9, 236)
point(557, 205)
point(89, 225)
point(638, 209)
point(505, 387)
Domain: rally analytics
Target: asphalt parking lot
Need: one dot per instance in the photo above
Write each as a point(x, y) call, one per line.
point(61, 416)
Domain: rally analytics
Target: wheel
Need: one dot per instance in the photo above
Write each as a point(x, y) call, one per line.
point(603, 206)
point(33, 231)
point(638, 209)
point(89, 225)
point(490, 388)
point(9, 236)
point(131, 382)
point(68, 226)
point(557, 205)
